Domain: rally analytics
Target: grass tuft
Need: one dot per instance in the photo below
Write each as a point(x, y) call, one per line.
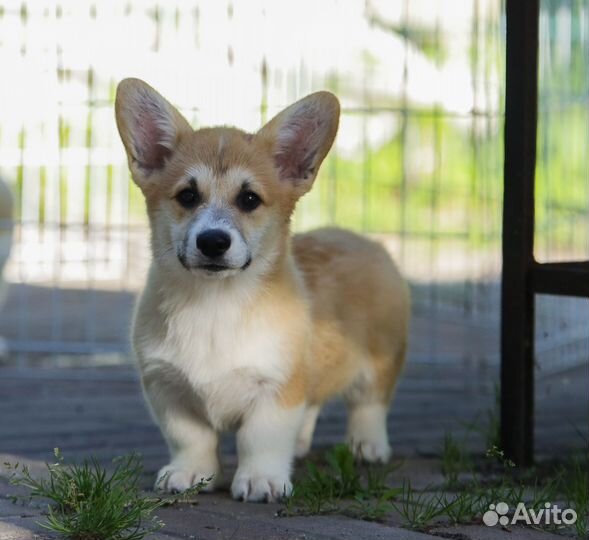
point(418, 508)
point(575, 486)
point(88, 503)
point(454, 460)
point(342, 485)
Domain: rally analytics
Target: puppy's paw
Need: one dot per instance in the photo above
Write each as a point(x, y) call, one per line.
point(260, 487)
point(367, 432)
point(174, 478)
point(371, 451)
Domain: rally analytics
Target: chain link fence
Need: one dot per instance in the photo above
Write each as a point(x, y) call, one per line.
point(417, 163)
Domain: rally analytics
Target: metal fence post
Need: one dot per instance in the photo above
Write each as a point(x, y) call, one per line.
point(517, 295)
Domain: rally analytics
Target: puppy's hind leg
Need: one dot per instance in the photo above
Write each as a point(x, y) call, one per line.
point(367, 431)
point(305, 437)
point(368, 401)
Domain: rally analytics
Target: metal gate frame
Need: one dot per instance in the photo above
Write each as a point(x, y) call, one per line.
point(523, 277)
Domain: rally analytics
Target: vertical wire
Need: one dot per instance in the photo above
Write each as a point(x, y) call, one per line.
point(56, 296)
point(24, 304)
point(366, 154)
point(472, 195)
point(90, 232)
point(434, 235)
point(403, 135)
point(333, 167)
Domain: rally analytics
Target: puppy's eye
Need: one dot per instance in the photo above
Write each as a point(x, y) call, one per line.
point(188, 198)
point(248, 201)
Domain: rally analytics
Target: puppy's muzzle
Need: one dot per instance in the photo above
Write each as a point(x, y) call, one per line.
point(213, 243)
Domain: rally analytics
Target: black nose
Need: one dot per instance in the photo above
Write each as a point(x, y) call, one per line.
point(213, 243)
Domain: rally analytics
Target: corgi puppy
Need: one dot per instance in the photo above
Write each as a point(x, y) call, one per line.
point(241, 327)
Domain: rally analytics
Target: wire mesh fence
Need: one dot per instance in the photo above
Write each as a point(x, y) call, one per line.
point(417, 163)
point(562, 175)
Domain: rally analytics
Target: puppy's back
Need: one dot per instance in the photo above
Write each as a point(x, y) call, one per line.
point(356, 291)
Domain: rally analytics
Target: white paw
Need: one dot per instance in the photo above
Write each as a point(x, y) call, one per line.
point(174, 478)
point(260, 487)
point(371, 451)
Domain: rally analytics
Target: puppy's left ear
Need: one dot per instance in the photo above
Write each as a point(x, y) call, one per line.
point(300, 136)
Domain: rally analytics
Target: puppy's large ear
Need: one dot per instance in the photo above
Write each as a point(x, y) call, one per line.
point(149, 125)
point(300, 136)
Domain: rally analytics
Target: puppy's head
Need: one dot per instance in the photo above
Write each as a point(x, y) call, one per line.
point(219, 199)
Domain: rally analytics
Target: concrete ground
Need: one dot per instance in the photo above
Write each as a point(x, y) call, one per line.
point(99, 411)
point(217, 517)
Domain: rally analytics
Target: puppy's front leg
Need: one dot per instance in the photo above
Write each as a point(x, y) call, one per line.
point(193, 443)
point(265, 445)
point(193, 448)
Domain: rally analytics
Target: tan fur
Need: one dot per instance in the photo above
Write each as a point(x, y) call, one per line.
point(360, 307)
point(264, 344)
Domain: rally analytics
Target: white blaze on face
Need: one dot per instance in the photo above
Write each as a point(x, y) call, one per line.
point(217, 213)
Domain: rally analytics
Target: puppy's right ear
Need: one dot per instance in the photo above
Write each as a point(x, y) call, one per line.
point(150, 127)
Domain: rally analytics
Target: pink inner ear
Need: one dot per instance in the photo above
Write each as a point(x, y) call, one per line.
point(298, 144)
point(150, 149)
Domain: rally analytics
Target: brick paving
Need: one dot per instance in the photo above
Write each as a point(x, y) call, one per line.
point(99, 411)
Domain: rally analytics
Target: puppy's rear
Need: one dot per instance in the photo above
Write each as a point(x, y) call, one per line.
point(360, 310)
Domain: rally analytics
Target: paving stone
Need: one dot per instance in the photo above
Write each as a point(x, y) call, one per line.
point(482, 532)
point(210, 521)
point(342, 528)
point(11, 509)
point(15, 528)
point(100, 412)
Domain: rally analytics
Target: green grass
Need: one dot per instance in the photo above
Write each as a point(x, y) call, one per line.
point(337, 483)
point(454, 456)
point(418, 508)
point(497, 478)
point(89, 503)
point(575, 482)
point(454, 460)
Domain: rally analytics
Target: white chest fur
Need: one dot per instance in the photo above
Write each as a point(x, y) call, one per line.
point(230, 349)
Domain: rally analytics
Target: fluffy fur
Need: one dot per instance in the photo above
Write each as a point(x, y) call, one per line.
point(256, 338)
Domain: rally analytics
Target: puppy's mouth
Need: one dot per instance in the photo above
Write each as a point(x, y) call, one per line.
point(215, 268)
point(211, 267)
